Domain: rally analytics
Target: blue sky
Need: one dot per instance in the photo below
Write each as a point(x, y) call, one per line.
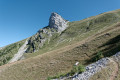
point(20, 19)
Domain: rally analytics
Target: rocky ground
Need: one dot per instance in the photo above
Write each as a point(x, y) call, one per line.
point(94, 68)
point(20, 52)
point(0, 47)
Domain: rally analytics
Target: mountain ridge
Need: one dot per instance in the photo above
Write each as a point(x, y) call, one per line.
point(80, 41)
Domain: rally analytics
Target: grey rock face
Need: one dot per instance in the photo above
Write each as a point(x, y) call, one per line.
point(37, 41)
point(57, 22)
point(0, 48)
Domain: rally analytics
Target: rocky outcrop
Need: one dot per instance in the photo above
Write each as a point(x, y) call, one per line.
point(20, 52)
point(37, 41)
point(56, 25)
point(0, 48)
point(93, 68)
point(57, 22)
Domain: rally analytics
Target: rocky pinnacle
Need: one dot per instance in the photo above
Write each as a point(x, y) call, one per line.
point(57, 22)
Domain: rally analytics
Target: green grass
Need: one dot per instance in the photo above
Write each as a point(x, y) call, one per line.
point(76, 69)
point(55, 63)
point(77, 31)
point(36, 41)
point(61, 58)
point(8, 52)
point(97, 57)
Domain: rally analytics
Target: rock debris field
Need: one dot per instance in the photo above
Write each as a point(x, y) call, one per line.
point(93, 68)
point(20, 53)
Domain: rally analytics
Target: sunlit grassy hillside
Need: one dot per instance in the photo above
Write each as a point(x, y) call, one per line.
point(81, 42)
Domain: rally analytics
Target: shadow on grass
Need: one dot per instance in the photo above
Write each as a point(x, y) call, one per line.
point(112, 41)
point(112, 47)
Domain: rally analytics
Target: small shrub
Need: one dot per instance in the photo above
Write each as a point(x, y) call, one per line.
point(49, 78)
point(81, 68)
point(77, 69)
point(98, 56)
point(74, 70)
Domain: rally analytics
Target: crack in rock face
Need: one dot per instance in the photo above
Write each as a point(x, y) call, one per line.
point(57, 22)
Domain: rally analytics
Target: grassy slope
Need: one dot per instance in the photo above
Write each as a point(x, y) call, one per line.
point(61, 60)
point(8, 52)
point(78, 31)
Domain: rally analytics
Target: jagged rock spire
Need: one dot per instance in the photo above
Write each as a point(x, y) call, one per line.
point(57, 22)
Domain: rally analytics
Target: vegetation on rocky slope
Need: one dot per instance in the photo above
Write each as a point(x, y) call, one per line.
point(80, 42)
point(76, 31)
point(8, 52)
point(40, 39)
point(76, 69)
